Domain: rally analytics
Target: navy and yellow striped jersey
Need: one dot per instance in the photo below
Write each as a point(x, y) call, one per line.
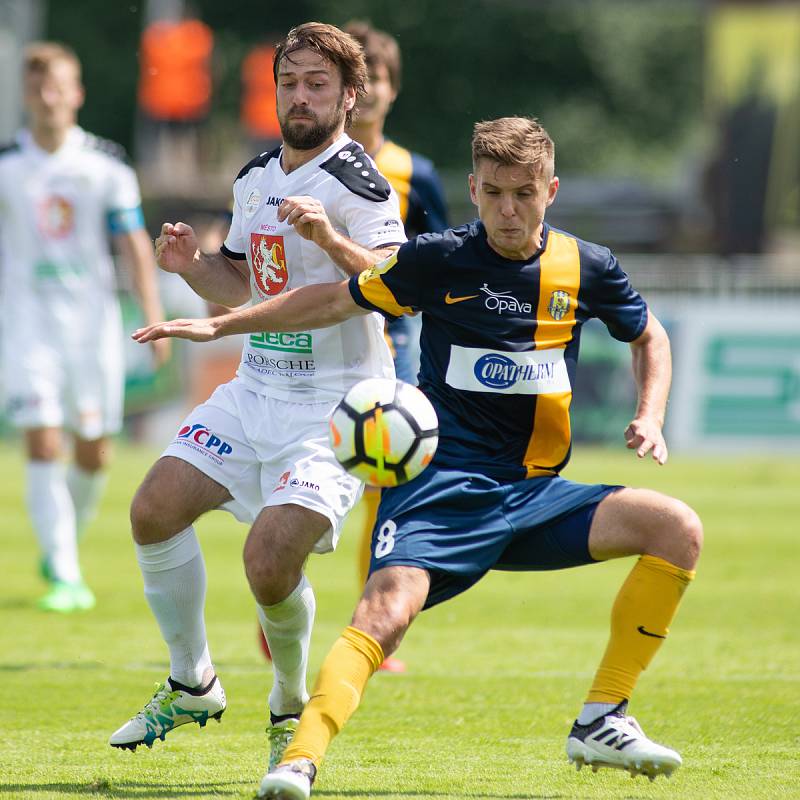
point(500, 338)
point(422, 203)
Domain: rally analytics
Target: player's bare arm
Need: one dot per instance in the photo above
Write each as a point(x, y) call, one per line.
point(212, 275)
point(301, 309)
point(137, 254)
point(652, 371)
point(310, 220)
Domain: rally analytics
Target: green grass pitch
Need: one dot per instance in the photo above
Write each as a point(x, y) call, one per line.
point(495, 677)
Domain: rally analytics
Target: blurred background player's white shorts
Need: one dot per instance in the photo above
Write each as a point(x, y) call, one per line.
point(268, 452)
point(52, 383)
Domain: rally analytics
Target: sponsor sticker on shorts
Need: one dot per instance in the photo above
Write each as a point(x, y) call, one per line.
point(200, 438)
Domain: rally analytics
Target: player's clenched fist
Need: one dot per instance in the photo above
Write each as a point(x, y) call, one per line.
point(308, 217)
point(176, 247)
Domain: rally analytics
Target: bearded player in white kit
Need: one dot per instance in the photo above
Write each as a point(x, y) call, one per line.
point(314, 210)
point(63, 194)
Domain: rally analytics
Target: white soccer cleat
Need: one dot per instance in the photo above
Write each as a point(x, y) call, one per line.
point(291, 781)
point(617, 741)
point(173, 704)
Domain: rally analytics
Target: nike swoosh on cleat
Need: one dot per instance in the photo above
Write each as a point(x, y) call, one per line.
point(647, 633)
point(450, 300)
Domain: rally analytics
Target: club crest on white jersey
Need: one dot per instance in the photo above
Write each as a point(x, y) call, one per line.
point(268, 256)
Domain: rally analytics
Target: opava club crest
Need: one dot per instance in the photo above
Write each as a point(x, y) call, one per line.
point(559, 304)
point(269, 263)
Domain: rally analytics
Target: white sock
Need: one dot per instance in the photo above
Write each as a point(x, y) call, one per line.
point(85, 488)
point(591, 711)
point(287, 627)
point(175, 587)
point(53, 517)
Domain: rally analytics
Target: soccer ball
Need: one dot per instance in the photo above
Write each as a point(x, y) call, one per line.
point(384, 431)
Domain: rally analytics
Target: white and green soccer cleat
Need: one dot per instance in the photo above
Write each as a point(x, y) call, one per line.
point(279, 733)
point(173, 704)
point(292, 781)
point(617, 741)
point(64, 598)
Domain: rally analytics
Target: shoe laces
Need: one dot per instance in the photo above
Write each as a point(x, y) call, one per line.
point(627, 724)
point(161, 700)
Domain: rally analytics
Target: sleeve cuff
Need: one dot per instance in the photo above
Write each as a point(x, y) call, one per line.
point(230, 254)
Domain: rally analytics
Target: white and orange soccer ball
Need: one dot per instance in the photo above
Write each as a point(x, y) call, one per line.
point(384, 431)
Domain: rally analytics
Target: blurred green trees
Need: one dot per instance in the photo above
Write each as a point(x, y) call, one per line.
point(618, 84)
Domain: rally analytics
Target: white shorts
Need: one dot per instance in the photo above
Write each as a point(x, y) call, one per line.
point(49, 383)
point(268, 452)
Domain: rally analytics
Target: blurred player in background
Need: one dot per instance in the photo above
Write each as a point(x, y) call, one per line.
point(63, 194)
point(500, 376)
point(422, 207)
point(308, 212)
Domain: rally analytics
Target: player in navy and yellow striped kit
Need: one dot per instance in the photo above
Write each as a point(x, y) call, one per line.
point(503, 301)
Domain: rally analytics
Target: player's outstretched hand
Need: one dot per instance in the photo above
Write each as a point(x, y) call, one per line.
point(176, 247)
point(309, 219)
point(644, 436)
point(196, 330)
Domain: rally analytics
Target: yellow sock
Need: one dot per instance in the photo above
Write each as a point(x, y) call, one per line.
point(348, 666)
point(640, 620)
point(370, 500)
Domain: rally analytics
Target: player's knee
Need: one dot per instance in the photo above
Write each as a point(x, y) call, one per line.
point(386, 618)
point(691, 529)
point(682, 534)
point(149, 515)
point(271, 579)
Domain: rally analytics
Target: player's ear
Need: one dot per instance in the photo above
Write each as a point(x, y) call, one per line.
point(349, 98)
point(473, 191)
point(552, 190)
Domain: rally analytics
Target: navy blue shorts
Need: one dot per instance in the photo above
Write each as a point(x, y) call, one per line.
point(459, 525)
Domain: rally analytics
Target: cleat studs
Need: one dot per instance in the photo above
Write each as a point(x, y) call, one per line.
point(595, 767)
point(578, 766)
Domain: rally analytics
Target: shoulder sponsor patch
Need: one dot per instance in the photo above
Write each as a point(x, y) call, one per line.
point(353, 168)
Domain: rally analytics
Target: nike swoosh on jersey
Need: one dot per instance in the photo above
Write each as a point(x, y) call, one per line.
point(450, 300)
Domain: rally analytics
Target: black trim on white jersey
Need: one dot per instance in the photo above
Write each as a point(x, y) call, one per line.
point(116, 151)
point(9, 147)
point(232, 255)
point(355, 170)
point(258, 161)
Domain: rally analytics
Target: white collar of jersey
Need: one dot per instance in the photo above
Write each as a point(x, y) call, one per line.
point(75, 136)
point(344, 142)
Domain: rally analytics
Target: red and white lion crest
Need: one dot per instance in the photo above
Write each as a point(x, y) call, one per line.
point(269, 263)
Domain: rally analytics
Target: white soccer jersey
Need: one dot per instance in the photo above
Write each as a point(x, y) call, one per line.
point(55, 215)
point(61, 324)
point(324, 362)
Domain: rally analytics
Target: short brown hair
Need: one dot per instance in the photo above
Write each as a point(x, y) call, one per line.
point(332, 44)
point(40, 56)
point(513, 141)
point(379, 48)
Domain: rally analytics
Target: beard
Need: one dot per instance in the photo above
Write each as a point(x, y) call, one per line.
point(302, 135)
